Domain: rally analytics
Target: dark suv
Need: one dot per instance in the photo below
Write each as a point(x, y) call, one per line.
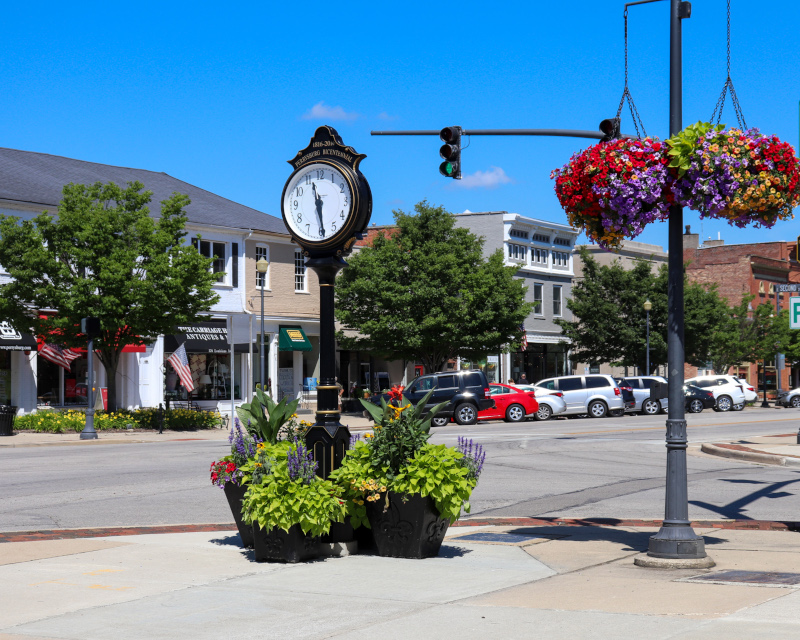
point(466, 393)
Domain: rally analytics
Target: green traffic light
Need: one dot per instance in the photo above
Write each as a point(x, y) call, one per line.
point(447, 169)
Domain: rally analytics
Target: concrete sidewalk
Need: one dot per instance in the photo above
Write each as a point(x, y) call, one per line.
point(488, 582)
point(781, 450)
point(32, 439)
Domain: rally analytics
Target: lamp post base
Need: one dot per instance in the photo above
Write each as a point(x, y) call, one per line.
point(88, 435)
point(676, 540)
point(673, 563)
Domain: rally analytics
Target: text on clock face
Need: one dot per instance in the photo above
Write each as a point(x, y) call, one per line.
point(317, 202)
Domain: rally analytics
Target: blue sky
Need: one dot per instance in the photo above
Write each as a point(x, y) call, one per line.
point(222, 95)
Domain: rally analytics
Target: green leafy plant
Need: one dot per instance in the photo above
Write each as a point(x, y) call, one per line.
point(286, 494)
point(683, 144)
point(398, 458)
point(437, 471)
point(264, 417)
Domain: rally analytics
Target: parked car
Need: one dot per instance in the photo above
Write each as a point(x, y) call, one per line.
point(466, 392)
point(750, 393)
point(627, 395)
point(510, 404)
point(727, 390)
point(594, 395)
point(698, 399)
point(790, 398)
point(641, 386)
point(550, 404)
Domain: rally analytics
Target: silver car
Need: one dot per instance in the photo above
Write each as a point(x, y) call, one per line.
point(790, 398)
point(592, 395)
point(640, 385)
point(550, 404)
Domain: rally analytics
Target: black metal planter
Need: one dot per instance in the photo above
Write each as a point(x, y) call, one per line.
point(278, 545)
point(7, 416)
point(234, 493)
point(410, 527)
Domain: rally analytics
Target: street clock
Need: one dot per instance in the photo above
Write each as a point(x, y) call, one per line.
point(326, 201)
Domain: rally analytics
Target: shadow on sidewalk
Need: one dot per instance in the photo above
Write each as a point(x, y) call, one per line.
point(735, 510)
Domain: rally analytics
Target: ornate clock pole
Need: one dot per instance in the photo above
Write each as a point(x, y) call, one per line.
point(326, 204)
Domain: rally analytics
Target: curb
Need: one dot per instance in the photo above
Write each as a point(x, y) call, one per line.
point(107, 532)
point(738, 452)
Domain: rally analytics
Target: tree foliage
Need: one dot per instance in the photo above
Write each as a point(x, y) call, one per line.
point(103, 256)
point(610, 323)
point(428, 294)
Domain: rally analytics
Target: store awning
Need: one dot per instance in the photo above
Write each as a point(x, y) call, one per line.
point(210, 336)
point(13, 340)
point(293, 339)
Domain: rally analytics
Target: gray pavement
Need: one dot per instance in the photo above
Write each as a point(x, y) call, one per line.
point(553, 582)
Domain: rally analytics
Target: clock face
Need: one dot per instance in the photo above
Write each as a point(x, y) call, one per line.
point(318, 202)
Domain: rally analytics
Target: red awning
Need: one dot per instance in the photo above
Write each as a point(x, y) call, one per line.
point(54, 337)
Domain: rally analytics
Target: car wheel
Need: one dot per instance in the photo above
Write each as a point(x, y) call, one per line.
point(597, 409)
point(651, 407)
point(440, 421)
point(544, 412)
point(795, 402)
point(738, 407)
point(724, 403)
point(696, 406)
point(466, 413)
point(515, 413)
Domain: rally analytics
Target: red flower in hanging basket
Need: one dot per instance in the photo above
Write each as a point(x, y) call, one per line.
point(613, 189)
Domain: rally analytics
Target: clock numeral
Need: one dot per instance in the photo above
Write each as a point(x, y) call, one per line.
point(333, 227)
point(332, 176)
point(320, 174)
point(308, 229)
point(299, 191)
point(295, 204)
point(341, 215)
point(299, 217)
point(342, 186)
point(308, 179)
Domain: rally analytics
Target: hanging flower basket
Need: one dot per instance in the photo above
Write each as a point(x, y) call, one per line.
point(613, 189)
point(743, 177)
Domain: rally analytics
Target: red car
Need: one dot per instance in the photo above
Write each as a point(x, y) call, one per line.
point(510, 404)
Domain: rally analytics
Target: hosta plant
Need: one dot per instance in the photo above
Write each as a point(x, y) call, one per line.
point(264, 417)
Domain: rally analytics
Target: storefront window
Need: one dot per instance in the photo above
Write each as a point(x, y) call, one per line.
point(58, 387)
point(539, 361)
point(211, 375)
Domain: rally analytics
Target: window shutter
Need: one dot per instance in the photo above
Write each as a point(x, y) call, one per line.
point(196, 243)
point(235, 263)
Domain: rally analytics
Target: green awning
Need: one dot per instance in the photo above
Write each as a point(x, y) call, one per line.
point(293, 339)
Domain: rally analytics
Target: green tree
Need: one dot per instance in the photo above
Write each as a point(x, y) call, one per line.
point(426, 293)
point(610, 321)
point(104, 256)
point(734, 340)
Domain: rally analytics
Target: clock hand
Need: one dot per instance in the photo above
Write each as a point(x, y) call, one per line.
point(318, 204)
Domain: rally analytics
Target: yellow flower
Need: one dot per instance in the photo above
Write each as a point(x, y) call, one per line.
point(368, 435)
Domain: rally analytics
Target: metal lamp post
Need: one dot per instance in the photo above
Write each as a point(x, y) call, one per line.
point(262, 265)
point(676, 544)
point(647, 306)
point(90, 327)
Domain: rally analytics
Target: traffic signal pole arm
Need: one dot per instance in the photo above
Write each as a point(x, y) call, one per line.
point(561, 133)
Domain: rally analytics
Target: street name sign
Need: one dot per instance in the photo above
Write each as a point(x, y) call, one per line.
point(787, 288)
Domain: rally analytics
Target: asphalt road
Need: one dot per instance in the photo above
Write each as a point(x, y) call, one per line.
point(613, 467)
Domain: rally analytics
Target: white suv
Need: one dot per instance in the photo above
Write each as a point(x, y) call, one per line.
point(596, 396)
point(727, 390)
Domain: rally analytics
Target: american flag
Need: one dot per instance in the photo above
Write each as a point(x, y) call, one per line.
point(180, 363)
point(57, 355)
point(524, 344)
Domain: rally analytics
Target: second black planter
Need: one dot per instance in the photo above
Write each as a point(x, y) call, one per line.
point(234, 493)
point(278, 545)
point(409, 527)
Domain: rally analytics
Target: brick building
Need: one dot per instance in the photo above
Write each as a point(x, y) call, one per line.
point(742, 269)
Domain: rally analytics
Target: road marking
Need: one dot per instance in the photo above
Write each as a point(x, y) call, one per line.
point(99, 571)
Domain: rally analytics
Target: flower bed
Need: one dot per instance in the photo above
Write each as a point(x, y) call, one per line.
point(613, 189)
point(54, 421)
point(743, 177)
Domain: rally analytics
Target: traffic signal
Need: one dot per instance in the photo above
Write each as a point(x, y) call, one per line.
point(451, 152)
point(610, 129)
